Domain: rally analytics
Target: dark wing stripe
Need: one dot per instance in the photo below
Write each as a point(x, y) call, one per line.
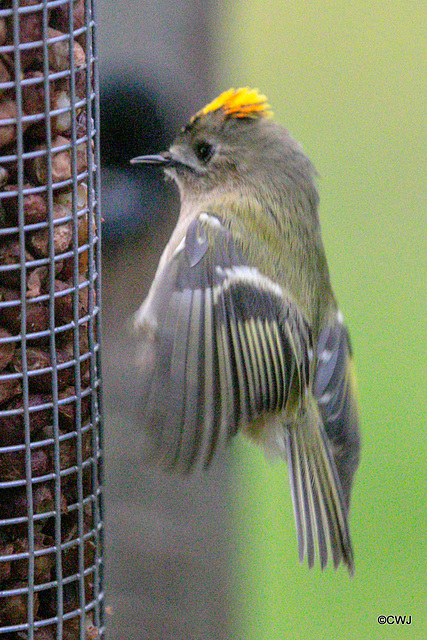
point(226, 395)
point(256, 368)
point(240, 409)
point(248, 368)
point(275, 381)
point(240, 372)
point(280, 364)
point(294, 350)
point(291, 364)
point(264, 365)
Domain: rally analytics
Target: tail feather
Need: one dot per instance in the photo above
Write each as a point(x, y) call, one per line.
point(293, 458)
point(315, 503)
point(321, 537)
point(318, 502)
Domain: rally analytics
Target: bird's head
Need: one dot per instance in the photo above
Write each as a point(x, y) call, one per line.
point(233, 143)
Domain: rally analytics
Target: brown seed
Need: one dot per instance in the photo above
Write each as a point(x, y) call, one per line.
point(36, 281)
point(59, 52)
point(12, 464)
point(37, 318)
point(59, 99)
point(12, 426)
point(34, 204)
point(30, 30)
point(7, 130)
point(4, 176)
point(43, 564)
point(61, 161)
point(70, 556)
point(14, 608)
point(45, 633)
point(43, 498)
point(9, 388)
point(59, 17)
point(5, 565)
point(30, 24)
point(33, 94)
point(38, 241)
point(3, 31)
point(39, 366)
point(4, 72)
point(67, 411)
point(7, 349)
point(64, 302)
point(10, 255)
point(64, 84)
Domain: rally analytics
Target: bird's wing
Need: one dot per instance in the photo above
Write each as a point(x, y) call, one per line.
point(226, 348)
point(222, 346)
point(335, 391)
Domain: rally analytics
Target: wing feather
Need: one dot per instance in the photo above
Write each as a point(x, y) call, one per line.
point(209, 417)
point(279, 361)
point(192, 420)
point(265, 365)
point(334, 389)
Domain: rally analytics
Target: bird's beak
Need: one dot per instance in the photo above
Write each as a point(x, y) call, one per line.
point(162, 159)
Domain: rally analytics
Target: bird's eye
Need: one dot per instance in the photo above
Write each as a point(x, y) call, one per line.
point(204, 151)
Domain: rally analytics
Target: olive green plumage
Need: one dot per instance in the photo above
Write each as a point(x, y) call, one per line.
point(240, 329)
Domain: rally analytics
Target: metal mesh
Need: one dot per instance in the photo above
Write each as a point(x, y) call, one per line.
point(50, 405)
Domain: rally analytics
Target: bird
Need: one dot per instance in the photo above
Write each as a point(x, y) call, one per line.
point(240, 331)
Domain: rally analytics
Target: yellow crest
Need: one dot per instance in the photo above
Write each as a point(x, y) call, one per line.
point(239, 103)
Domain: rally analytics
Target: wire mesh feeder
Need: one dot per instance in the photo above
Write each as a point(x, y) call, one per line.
point(50, 405)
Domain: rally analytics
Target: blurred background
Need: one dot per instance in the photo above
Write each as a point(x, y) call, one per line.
point(215, 557)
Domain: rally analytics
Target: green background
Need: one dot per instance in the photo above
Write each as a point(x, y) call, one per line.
point(348, 80)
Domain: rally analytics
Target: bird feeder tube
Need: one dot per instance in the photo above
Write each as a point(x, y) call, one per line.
point(51, 526)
